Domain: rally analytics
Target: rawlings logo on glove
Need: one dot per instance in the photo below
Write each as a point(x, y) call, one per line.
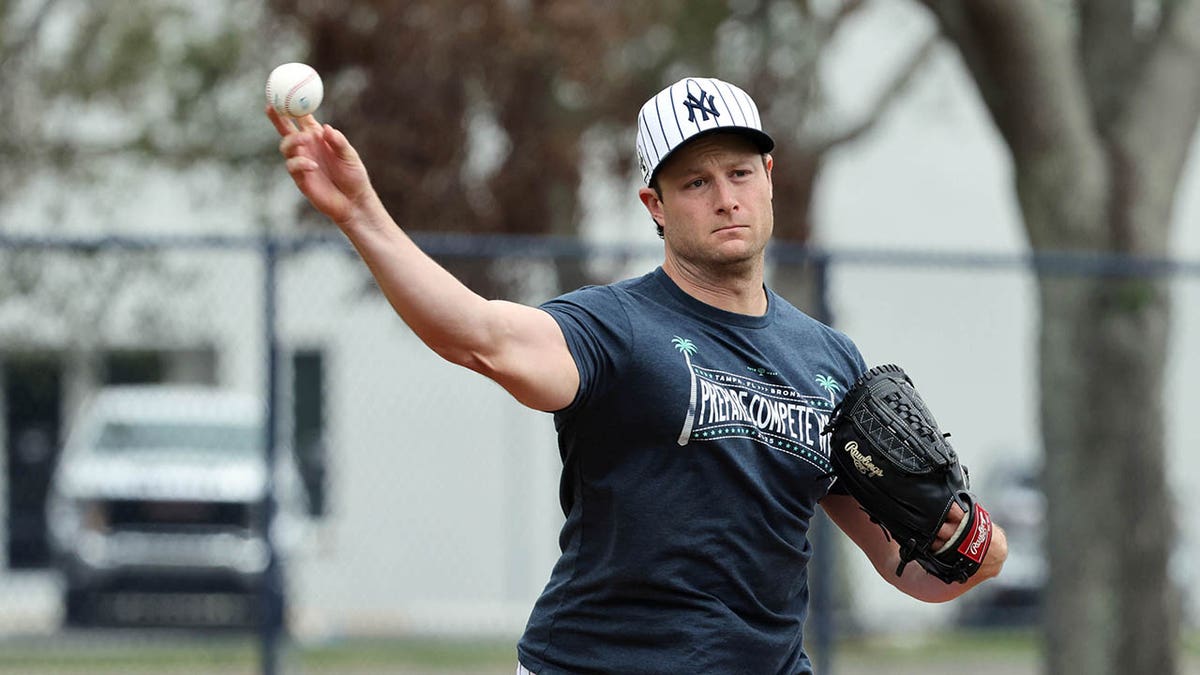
point(863, 463)
point(977, 547)
point(887, 450)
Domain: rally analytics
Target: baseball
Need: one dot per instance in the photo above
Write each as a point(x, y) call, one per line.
point(294, 89)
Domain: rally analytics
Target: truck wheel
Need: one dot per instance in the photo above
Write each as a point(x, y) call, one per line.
point(79, 607)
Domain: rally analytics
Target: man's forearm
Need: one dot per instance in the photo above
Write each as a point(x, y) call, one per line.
point(445, 314)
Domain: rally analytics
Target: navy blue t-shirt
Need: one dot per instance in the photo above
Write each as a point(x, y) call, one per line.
point(692, 464)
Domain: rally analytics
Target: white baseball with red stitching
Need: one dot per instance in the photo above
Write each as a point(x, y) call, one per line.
point(294, 89)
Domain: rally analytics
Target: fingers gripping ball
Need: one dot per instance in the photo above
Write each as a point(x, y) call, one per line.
point(294, 89)
point(887, 450)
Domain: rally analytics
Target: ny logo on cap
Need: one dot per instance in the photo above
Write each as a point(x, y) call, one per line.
point(705, 104)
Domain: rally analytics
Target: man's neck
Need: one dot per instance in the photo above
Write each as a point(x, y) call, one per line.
point(735, 288)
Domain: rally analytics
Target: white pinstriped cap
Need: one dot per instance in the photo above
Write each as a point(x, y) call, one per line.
point(689, 108)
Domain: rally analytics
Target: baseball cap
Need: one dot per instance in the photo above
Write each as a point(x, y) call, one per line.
point(692, 107)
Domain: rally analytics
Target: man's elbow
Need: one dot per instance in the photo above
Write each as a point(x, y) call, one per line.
point(471, 359)
point(918, 584)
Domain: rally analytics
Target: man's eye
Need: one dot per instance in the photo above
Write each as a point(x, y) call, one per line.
point(696, 183)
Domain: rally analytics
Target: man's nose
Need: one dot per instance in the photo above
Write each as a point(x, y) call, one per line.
point(726, 197)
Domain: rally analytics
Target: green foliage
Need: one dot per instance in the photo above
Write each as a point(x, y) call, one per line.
point(111, 96)
point(153, 80)
point(1133, 296)
point(113, 50)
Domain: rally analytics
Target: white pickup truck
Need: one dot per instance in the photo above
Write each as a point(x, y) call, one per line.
point(155, 508)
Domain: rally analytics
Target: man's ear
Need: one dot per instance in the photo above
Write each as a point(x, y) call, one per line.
point(653, 204)
point(768, 164)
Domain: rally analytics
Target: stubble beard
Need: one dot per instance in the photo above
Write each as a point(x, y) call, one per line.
point(723, 266)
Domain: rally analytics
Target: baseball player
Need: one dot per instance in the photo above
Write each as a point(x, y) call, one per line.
point(689, 404)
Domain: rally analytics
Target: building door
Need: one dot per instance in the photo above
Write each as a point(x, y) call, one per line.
point(32, 410)
point(308, 426)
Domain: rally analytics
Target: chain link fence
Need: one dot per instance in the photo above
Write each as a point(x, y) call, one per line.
point(406, 497)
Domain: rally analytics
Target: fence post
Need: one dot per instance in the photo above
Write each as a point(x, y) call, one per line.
point(824, 542)
point(270, 617)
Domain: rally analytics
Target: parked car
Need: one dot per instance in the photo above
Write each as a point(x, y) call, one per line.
point(154, 509)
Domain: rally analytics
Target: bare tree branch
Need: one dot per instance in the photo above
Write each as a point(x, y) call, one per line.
point(1021, 55)
point(48, 153)
point(1108, 54)
point(1163, 105)
point(823, 28)
point(1020, 52)
point(848, 9)
point(26, 35)
point(882, 102)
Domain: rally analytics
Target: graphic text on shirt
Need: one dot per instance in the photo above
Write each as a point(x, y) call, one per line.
point(725, 404)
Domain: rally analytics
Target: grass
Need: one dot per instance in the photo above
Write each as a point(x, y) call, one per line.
point(428, 652)
point(97, 653)
point(151, 652)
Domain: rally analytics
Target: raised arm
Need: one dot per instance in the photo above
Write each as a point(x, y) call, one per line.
point(520, 347)
point(884, 553)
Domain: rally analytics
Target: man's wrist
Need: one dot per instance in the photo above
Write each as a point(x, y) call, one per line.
point(366, 213)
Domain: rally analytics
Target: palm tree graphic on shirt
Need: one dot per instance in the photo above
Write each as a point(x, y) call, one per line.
point(687, 348)
point(830, 385)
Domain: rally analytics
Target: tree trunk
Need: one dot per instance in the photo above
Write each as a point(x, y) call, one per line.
point(1132, 326)
point(795, 180)
point(1103, 353)
point(1098, 108)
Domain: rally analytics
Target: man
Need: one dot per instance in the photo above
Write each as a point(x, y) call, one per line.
point(689, 404)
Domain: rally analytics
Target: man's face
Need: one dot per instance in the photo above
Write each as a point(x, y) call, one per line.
point(715, 207)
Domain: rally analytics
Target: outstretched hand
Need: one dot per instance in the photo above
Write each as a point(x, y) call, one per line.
point(324, 166)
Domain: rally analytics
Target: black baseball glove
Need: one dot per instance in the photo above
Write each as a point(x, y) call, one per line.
point(890, 455)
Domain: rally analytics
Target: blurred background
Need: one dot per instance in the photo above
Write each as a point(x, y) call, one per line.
point(999, 196)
